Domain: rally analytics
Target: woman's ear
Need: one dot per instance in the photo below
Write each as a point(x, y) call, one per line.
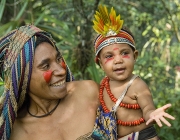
point(135, 55)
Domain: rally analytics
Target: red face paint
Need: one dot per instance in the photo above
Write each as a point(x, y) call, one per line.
point(116, 49)
point(108, 59)
point(47, 76)
point(63, 64)
point(125, 56)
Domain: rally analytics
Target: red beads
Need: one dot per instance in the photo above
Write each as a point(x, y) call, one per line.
point(133, 123)
point(106, 110)
point(105, 83)
point(130, 106)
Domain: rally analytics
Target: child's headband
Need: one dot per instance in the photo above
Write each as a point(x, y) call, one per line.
point(109, 28)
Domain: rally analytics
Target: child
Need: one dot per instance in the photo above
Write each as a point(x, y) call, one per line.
point(121, 91)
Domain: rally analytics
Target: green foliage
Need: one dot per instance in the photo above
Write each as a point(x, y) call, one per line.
point(2, 6)
point(1, 87)
point(96, 73)
point(155, 25)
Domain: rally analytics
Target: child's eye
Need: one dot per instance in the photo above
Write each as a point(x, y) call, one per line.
point(108, 56)
point(124, 53)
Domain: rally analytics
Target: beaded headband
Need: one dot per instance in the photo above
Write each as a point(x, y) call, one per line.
point(109, 28)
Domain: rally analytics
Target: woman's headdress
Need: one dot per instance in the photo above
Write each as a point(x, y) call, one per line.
point(16, 59)
point(109, 28)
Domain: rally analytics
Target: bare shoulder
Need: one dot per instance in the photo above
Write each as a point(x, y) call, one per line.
point(18, 131)
point(140, 86)
point(84, 88)
point(143, 93)
point(83, 84)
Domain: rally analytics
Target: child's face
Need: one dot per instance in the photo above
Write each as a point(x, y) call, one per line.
point(117, 61)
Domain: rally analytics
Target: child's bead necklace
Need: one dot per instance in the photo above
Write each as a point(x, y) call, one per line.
point(105, 83)
point(129, 106)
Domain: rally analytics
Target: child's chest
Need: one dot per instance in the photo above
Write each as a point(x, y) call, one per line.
point(110, 97)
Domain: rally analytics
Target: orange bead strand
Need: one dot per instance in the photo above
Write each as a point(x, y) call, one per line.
point(106, 110)
point(129, 106)
point(132, 123)
point(105, 84)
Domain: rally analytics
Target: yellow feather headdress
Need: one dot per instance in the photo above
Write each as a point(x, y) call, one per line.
point(105, 23)
point(109, 28)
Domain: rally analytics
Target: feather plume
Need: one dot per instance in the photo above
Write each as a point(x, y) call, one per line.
point(107, 24)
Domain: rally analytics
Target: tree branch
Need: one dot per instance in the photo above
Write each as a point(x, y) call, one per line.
point(173, 22)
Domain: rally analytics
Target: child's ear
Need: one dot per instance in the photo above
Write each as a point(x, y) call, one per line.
point(135, 55)
point(100, 64)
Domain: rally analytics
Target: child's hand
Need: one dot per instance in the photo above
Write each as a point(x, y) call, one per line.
point(159, 115)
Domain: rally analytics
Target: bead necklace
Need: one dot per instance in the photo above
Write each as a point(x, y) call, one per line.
point(105, 83)
point(129, 106)
point(131, 123)
point(106, 110)
point(49, 113)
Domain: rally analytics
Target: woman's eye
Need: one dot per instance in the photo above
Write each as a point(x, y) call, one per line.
point(46, 66)
point(59, 59)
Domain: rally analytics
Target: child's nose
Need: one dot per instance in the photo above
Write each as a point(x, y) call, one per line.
point(118, 59)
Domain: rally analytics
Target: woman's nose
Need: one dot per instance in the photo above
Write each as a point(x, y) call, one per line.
point(58, 69)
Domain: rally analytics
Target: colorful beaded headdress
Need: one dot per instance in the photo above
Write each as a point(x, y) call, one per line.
point(109, 28)
point(16, 59)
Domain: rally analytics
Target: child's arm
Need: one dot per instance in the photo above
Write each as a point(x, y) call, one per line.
point(159, 115)
point(145, 101)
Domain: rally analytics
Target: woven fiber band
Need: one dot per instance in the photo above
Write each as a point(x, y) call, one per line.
point(113, 40)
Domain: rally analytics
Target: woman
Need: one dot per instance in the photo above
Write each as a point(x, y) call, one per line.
point(40, 101)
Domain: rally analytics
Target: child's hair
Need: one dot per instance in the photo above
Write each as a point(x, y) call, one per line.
point(126, 29)
point(124, 33)
point(110, 30)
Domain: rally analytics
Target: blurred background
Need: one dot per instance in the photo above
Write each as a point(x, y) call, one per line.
point(154, 23)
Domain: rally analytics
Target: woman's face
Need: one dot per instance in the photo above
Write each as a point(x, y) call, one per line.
point(47, 59)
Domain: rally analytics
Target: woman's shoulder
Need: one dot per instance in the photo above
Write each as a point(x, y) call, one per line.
point(82, 84)
point(83, 81)
point(84, 88)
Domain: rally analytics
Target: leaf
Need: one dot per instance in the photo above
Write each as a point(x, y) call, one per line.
point(2, 6)
point(1, 89)
point(5, 28)
point(22, 10)
point(39, 19)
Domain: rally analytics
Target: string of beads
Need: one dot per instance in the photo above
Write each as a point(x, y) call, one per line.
point(129, 106)
point(132, 123)
point(105, 84)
